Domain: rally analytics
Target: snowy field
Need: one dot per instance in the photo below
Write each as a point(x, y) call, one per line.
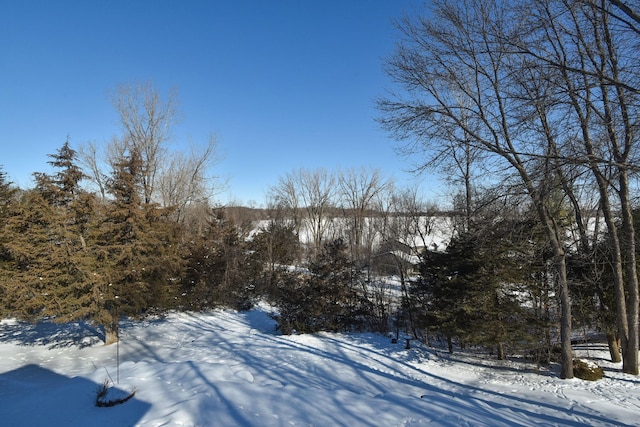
point(231, 369)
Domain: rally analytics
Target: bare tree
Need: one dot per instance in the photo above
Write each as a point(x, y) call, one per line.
point(460, 160)
point(590, 48)
point(318, 189)
point(308, 195)
point(414, 222)
point(285, 197)
point(359, 191)
point(172, 178)
point(460, 53)
point(183, 179)
point(89, 157)
point(147, 121)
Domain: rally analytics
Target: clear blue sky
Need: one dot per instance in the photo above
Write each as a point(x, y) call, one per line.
point(284, 84)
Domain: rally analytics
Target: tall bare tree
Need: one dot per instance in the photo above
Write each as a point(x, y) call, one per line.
point(184, 179)
point(89, 157)
point(318, 189)
point(147, 122)
point(589, 47)
point(359, 191)
point(285, 198)
point(458, 52)
point(176, 179)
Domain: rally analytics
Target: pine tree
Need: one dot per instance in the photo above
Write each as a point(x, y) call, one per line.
point(68, 257)
point(30, 238)
point(134, 250)
point(217, 267)
point(325, 299)
point(439, 295)
point(71, 292)
point(273, 249)
point(7, 193)
point(46, 246)
point(468, 292)
point(7, 201)
point(62, 188)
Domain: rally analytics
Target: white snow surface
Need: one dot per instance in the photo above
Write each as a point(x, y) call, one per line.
point(225, 368)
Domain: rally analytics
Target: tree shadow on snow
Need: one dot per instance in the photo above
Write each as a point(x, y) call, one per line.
point(49, 333)
point(261, 321)
point(348, 375)
point(35, 396)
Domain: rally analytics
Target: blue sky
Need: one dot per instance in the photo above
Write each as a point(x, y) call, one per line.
point(283, 84)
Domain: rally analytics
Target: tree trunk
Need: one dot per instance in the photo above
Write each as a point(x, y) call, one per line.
point(565, 320)
point(111, 334)
point(554, 233)
point(501, 354)
point(630, 350)
point(623, 327)
point(614, 347)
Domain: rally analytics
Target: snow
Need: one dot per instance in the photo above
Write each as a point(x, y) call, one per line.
point(225, 368)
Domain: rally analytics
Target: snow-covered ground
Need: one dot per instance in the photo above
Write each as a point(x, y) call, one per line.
point(231, 369)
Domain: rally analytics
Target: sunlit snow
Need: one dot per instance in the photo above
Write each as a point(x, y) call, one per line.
point(226, 368)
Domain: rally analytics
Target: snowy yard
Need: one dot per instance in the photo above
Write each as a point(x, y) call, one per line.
point(231, 369)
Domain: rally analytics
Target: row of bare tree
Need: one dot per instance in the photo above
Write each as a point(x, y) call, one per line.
point(360, 206)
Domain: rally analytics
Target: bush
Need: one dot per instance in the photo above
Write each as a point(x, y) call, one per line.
point(325, 299)
point(587, 370)
point(546, 354)
point(107, 395)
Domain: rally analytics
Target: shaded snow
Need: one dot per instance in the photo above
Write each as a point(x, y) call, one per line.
point(231, 369)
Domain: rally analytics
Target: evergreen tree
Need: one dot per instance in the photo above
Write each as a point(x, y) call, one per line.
point(46, 245)
point(218, 269)
point(593, 291)
point(7, 201)
point(326, 298)
point(70, 295)
point(441, 293)
point(62, 188)
point(7, 193)
point(134, 252)
point(274, 249)
point(470, 290)
point(30, 239)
